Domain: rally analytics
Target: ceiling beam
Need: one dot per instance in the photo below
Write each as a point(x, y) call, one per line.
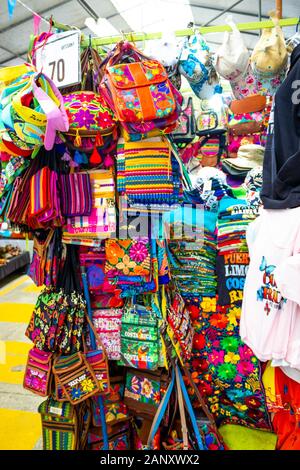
point(28, 18)
point(13, 55)
point(90, 11)
point(236, 12)
point(223, 12)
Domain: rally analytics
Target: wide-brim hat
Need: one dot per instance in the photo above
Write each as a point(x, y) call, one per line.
point(249, 156)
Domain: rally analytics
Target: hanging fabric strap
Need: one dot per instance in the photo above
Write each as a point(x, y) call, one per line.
point(161, 411)
point(94, 346)
point(202, 403)
point(183, 399)
point(184, 429)
point(190, 410)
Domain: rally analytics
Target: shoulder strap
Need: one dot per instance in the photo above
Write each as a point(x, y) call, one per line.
point(182, 411)
point(93, 344)
point(202, 403)
point(190, 410)
point(161, 411)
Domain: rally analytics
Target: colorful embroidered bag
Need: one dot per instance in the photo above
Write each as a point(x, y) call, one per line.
point(128, 257)
point(101, 223)
point(247, 116)
point(138, 90)
point(107, 323)
point(75, 194)
point(57, 322)
point(96, 356)
point(144, 390)
point(64, 427)
point(37, 269)
point(114, 406)
point(76, 377)
point(38, 372)
point(119, 436)
point(140, 338)
point(89, 117)
point(179, 326)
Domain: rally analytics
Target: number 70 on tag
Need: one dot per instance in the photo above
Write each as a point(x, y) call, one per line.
point(59, 58)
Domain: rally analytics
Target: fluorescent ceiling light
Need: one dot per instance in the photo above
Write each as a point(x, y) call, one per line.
point(101, 27)
point(155, 15)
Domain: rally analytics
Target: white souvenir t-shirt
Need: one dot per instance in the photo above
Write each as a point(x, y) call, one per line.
point(270, 320)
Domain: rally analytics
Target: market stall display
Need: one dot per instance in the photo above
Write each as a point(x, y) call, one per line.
point(139, 202)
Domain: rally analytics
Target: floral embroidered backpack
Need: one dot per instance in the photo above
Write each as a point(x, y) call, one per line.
point(91, 122)
point(89, 116)
point(139, 92)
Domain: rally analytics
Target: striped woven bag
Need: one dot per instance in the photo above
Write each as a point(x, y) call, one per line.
point(75, 194)
point(64, 427)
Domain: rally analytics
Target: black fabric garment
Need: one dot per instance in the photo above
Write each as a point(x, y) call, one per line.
point(281, 171)
point(231, 270)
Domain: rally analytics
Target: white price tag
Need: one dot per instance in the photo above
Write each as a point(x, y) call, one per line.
point(55, 411)
point(59, 58)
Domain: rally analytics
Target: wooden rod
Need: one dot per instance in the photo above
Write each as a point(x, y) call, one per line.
point(279, 8)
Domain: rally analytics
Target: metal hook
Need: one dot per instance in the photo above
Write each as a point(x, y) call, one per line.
point(132, 38)
point(122, 33)
point(192, 26)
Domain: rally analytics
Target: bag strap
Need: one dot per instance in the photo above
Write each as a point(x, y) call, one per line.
point(182, 411)
point(125, 48)
point(202, 403)
point(94, 332)
point(161, 411)
point(190, 410)
point(94, 346)
point(185, 176)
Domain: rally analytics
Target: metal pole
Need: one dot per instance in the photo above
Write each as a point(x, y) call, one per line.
point(259, 14)
point(223, 12)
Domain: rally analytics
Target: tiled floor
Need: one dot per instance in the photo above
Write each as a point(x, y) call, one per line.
point(20, 427)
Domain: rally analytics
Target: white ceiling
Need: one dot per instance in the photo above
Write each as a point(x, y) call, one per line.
point(130, 15)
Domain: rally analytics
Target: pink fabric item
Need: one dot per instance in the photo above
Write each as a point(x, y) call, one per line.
point(270, 320)
point(57, 119)
point(36, 24)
